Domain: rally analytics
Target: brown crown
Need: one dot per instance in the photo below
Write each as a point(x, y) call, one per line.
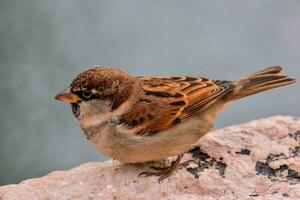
point(110, 83)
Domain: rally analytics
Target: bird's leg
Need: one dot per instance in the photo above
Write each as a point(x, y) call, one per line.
point(164, 172)
point(186, 163)
point(179, 166)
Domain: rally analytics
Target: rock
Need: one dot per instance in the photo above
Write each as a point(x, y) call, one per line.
point(256, 160)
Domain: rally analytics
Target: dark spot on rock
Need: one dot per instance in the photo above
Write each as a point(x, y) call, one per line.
point(295, 152)
point(221, 167)
point(264, 169)
point(293, 176)
point(271, 157)
point(254, 195)
point(193, 171)
point(283, 168)
point(206, 162)
point(295, 135)
point(221, 158)
point(228, 151)
point(285, 195)
point(243, 152)
point(199, 154)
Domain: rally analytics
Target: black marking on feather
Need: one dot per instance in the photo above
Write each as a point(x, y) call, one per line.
point(209, 99)
point(162, 94)
point(176, 77)
point(178, 95)
point(193, 83)
point(178, 103)
point(176, 121)
point(158, 94)
point(146, 100)
point(190, 79)
point(205, 86)
point(133, 122)
point(204, 79)
point(156, 85)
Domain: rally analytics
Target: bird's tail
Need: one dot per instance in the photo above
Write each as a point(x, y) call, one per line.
point(260, 81)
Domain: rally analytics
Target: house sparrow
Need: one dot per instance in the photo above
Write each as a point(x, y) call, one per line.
point(140, 119)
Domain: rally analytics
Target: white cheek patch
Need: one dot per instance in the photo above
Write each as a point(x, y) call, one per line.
point(96, 120)
point(94, 113)
point(105, 116)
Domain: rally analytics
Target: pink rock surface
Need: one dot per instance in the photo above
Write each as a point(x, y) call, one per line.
point(256, 160)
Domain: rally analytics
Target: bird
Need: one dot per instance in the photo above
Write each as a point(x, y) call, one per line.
point(138, 119)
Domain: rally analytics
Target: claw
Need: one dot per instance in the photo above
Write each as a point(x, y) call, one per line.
point(159, 168)
point(151, 173)
point(165, 172)
point(186, 163)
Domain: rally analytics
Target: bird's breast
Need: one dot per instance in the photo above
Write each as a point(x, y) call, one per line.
point(127, 147)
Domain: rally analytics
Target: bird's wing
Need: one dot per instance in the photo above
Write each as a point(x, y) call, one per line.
point(169, 100)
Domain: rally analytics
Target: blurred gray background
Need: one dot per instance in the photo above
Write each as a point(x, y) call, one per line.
point(44, 44)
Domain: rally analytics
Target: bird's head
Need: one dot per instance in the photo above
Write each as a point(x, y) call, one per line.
point(97, 90)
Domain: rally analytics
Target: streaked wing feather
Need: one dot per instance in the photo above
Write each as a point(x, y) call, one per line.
point(169, 100)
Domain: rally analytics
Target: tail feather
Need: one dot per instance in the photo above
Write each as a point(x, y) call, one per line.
point(260, 81)
point(268, 71)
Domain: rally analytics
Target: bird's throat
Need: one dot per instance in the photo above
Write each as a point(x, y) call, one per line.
point(75, 109)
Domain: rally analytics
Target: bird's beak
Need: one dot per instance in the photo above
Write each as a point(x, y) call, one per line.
point(67, 96)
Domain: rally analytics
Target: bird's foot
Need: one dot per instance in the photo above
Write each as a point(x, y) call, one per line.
point(165, 172)
point(179, 166)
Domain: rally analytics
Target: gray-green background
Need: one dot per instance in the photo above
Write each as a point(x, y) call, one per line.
point(44, 44)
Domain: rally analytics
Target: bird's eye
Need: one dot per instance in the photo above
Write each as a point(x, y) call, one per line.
point(87, 94)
